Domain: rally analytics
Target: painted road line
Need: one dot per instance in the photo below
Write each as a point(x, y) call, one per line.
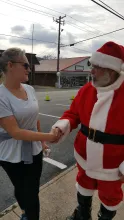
point(52, 116)
point(55, 163)
point(63, 105)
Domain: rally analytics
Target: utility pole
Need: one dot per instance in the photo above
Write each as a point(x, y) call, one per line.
point(59, 21)
point(32, 78)
point(58, 53)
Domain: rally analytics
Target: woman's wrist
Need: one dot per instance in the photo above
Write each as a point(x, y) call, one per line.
point(47, 137)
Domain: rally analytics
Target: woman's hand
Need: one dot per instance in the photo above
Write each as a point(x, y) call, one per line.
point(56, 134)
point(46, 149)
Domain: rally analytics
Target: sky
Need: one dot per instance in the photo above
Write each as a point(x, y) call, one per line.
point(22, 21)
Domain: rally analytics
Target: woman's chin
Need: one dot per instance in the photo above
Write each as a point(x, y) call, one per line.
point(25, 79)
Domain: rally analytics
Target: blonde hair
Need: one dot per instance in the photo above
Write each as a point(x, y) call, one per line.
point(12, 55)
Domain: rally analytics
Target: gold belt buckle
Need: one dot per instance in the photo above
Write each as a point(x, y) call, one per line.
point(94, 133)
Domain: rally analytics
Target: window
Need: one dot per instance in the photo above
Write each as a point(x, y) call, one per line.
point(79, 67)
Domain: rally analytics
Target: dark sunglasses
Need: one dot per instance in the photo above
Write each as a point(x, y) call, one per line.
point(26, 65)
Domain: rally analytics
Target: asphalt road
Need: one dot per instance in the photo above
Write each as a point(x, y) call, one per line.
point(63, 153)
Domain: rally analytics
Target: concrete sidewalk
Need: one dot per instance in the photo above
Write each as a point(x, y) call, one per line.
point(58, 199)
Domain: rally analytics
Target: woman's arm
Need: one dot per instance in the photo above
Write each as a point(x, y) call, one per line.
point(39, 130)
point(38, 126)
point(10, 125)
point(46, 149)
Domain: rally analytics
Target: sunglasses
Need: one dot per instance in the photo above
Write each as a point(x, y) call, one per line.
point(25, 65)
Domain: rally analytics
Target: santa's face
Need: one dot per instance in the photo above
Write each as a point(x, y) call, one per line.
point(100, 76)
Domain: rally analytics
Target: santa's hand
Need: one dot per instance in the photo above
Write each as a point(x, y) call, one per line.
point(58, 133)
point(121, 176)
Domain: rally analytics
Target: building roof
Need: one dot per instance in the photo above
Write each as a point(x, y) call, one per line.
point(32, 56)
point(51, 65)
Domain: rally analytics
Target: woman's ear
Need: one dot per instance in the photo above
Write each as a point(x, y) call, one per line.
point(10, 65)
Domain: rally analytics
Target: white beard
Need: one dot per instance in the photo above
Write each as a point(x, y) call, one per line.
point(102, 81)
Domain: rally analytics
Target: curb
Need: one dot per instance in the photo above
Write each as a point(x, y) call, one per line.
point(15, 205)
point(57, 177)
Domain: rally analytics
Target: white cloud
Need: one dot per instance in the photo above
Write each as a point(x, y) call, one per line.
point(18, 29)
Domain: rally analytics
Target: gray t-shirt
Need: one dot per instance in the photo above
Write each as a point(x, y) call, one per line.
point(26, 114)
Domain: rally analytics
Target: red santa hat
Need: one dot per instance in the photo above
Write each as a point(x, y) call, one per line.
point(110, 55)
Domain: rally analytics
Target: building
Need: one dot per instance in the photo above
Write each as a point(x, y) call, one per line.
point(73, 72)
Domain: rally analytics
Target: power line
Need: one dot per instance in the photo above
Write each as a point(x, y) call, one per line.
point(37, 11)
point(109, 10)
point(26, 38)
point(78, 27)
point(64, 14)
point(93, 37)
point(44, 7)
point(49, 53)
point(43, 13)
point(80, 49)
point(17, 18)
point(61, 13)
point(30, 21)
point(89, 31)
point(69, 23)
point(27, 8)
point(46, 14)
point(83, 23)
point(51, 49)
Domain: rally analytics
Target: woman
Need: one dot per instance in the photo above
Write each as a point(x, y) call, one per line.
point(21, 141)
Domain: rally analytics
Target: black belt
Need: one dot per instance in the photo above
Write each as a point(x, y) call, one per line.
point(101, 137)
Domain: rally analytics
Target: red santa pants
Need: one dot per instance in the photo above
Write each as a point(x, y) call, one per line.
point(110, 192)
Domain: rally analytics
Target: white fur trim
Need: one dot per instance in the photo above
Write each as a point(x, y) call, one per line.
point(84, 191)
point(121, 168)
point(80, 160)
point(112, 208)
point(104, 174)
point(98, 121)
point(100, 173)
point(64, 126)
point(122, 67)
point(106, 61)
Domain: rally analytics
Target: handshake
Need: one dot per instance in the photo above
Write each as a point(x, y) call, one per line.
point(52, 137)
point(55, 135)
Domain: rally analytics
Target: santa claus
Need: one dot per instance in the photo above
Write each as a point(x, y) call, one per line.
point(99, 144)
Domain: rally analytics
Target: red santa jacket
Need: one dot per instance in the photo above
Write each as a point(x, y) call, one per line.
point(101, 109)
